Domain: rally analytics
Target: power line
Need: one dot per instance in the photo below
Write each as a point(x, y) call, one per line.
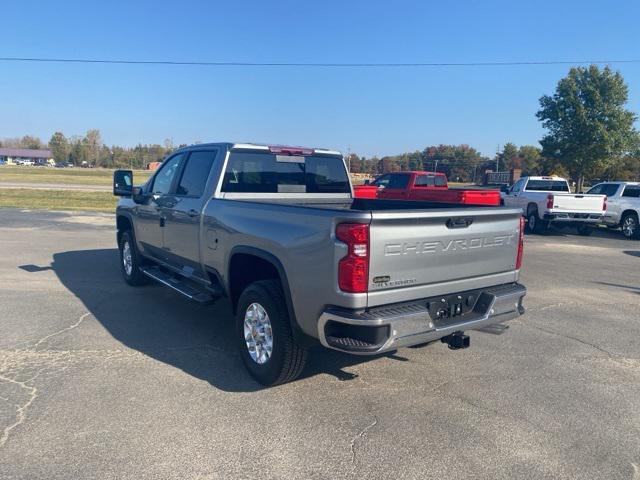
point(310, 64)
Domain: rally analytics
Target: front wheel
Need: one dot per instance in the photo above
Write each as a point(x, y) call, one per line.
point(263, 331)
point(630, 226)
point(130, 260)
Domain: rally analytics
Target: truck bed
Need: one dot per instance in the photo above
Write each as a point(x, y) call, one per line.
point(424, 248)
point(366, 204)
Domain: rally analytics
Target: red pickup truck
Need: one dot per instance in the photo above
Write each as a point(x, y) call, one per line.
point(427, 186)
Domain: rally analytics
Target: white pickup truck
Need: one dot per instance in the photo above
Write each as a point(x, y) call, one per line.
point(623, 206)
point(546, 200)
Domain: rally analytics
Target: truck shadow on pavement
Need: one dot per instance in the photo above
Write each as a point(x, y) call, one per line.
point(630, 288)
point(163, 325)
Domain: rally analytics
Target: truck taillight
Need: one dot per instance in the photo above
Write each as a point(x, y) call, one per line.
point(520, 245)
point(549, 202)
point(604, 204)
point(353, 269)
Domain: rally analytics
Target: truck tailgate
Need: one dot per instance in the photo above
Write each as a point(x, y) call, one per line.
point(417, 250)
point(577, 203)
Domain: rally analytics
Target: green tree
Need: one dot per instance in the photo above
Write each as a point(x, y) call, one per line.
point(587, 122)
point(30, 142)
point(508, 158)
point(78, 151)
point(458, 162)
point(59, 146)
point(531, 157)
point(93, 141)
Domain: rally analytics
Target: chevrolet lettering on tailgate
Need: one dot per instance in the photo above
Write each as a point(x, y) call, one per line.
point(428, 246)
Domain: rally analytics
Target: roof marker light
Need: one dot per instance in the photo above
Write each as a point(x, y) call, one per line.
point(285, 150)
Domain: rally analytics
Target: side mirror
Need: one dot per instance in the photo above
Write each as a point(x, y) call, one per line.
point(367, 182)
point(123, 183)
point(504, 188)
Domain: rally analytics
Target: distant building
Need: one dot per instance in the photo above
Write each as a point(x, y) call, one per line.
point(17, 156)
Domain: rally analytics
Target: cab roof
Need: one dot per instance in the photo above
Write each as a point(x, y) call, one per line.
point(264, 147)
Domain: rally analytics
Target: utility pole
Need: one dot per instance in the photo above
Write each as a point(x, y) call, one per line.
point(498, 159)
point(435, 166)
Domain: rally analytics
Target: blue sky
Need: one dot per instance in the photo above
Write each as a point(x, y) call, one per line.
point(372, 111)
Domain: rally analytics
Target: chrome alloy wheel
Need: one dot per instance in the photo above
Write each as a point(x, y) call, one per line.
point(258, 334)
point(127, 261)
point(629, 226)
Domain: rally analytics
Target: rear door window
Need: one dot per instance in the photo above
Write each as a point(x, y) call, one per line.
point(195, 173)
point(632, 191)
point(609, 189)
point(252, 172)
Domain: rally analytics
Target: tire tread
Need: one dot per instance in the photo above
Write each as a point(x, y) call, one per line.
point(295, 356)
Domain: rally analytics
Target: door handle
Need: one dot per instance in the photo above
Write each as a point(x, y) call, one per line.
point(193, 213)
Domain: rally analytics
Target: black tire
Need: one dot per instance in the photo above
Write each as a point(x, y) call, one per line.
point(134, 276)
point(287, 359)
point(585, 230)
point(534, 224)
point(630, 226)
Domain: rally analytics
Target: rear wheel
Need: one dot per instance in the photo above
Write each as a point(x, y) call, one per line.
point(130, 260)
point(263, 331)
point(534, 224)
point(630, 226)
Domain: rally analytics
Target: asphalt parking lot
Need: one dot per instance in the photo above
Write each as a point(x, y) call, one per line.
point(102, 380)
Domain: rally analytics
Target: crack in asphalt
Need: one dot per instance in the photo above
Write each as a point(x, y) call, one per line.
point(576, 339)
point(59, 332)
point(14, 362)
point(21, 412)
point(10, 362)
point(361, 434)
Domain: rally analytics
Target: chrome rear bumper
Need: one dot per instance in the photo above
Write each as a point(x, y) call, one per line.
point(390, 327)
point(588, 217)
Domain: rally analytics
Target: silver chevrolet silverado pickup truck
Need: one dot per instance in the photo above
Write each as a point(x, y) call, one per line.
point(277, 231)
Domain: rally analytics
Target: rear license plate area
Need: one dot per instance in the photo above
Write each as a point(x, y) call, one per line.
point(450, 309)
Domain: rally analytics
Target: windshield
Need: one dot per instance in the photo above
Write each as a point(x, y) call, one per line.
point(253, 172)
point(547, 186)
